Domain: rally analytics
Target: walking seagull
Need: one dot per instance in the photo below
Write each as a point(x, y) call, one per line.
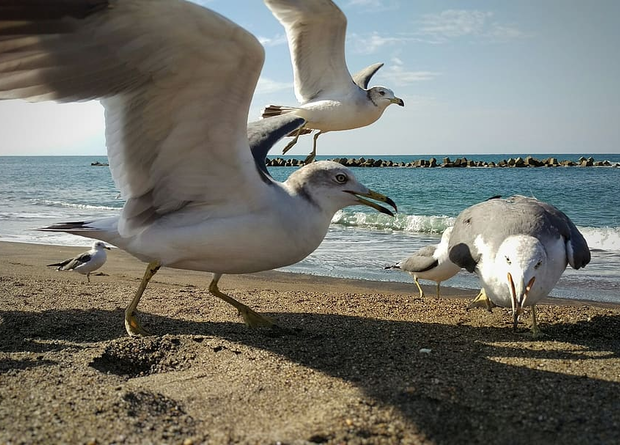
point(330, 99)
point(86, 262)
point(430, 263)
point(176, 81)
point(519, 247)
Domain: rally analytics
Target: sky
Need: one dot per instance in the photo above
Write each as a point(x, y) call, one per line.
point(477, 77)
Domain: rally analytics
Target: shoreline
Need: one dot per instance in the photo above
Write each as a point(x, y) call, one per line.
point(361, 362)
point(120, 262)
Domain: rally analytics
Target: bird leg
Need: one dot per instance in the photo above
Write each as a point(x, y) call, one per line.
point(438, 285)
point(536, 332)
point(482, 300)
point(294, 141)
point(132, 325)
point(310, 158)
point(88, 277)
point(251, 318)
point(419, 287)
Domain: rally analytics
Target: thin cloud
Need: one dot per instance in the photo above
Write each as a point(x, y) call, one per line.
point(278, 39)
point(457, 23)
point(375, 42)
point(363, 6)
point(269, 86)
point(396, 74)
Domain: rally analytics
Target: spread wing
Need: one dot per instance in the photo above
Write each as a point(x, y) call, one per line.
point(316, 31)
point(176, 81)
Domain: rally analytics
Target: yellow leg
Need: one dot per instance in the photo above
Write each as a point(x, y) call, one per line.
point(251, 318)
point(419, 287)
point(536, 332)
point(132, 325)
point(310, 158)
point(293, 142)
point(482, 300)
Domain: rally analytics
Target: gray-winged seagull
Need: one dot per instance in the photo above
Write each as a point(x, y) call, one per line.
point(519, 247)
point(330, 99)
point(86, 262)
point(176, 81)
point(430, 263)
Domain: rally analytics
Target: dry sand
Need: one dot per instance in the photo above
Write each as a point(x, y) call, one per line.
point(352, 370)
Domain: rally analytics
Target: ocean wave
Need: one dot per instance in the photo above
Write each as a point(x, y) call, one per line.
point(400, 222)
point(599, 238)
point(49, 203)
point(603, 238)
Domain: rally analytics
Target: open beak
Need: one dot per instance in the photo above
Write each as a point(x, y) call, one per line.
point(377, 197)
point(517, 306)
point(398, 101)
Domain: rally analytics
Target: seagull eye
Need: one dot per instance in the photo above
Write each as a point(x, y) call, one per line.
point(538, 265)
point(508, 260)
point(341, 178)
point(382, 93)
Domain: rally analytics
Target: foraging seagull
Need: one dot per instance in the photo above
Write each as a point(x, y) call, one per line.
point(430, 263)
point(86, 262)
point(176, 81)
point(331, 100)
point(519, 247)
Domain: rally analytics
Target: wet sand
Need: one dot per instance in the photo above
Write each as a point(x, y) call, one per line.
point(363, 363)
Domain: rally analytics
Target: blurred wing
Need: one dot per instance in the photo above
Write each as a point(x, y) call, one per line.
point(316, 32)
point(265, 133)
point(420, 261)
point(176, 81)
point(363, 77)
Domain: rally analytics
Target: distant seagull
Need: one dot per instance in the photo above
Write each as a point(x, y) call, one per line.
point(176, 81)
point(86, 262)
point(430, 263)
point(519, 247)
point(331, 100)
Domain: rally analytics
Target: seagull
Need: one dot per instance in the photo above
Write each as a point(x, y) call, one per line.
point(176, 81)
point(86, 262)
point(430, 263)
point(330, 99)
point(519, 247)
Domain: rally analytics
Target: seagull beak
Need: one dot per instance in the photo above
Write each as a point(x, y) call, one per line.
point(377, 197)
point(516, 307)
point(398, 101)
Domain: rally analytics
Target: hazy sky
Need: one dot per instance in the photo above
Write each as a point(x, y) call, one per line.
point(526, 76)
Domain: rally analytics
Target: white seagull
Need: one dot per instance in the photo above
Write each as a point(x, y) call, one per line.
point(86, 262)
point(176, 81)
point(430, 263)
point(330, 99)
point(519, 247)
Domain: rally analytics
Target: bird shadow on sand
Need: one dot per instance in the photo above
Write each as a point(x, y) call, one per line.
point(461, 390)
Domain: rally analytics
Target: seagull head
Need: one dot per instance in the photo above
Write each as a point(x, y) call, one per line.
point(521, 259)
point(382, 97)
point(332, 186)
point(98, 245)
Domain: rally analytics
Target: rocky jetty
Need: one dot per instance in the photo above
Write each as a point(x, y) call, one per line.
point(518, 162)
point(99, 164)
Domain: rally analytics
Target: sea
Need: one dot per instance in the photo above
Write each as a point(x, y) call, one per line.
point(42, 190)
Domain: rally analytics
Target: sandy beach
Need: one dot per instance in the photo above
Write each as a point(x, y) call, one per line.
point(363, 363)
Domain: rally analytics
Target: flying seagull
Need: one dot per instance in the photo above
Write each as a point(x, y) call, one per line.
point(330, 99)
point(519, 247)
point(86, 262)
point(430, 263)
point(176, 81)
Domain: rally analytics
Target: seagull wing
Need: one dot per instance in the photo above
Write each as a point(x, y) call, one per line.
point(175, 79)
point(420, 261)
point(363, 77)
point(577, 250)
point(316, 32)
